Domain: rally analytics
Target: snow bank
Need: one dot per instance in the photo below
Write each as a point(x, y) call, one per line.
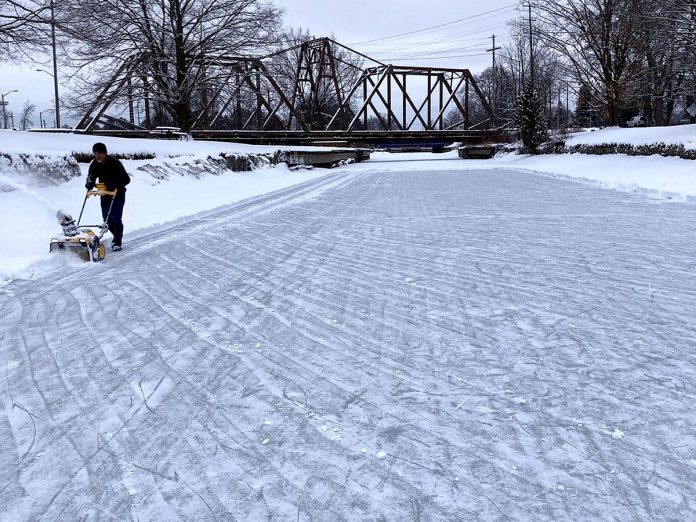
point(684, 135)
point(667, 178)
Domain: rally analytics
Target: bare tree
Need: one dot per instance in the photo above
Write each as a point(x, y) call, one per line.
point(668, 48)
point(662, 51)
point(25, 121)
point(599, 41)
point(24, 25)
point(169, 43)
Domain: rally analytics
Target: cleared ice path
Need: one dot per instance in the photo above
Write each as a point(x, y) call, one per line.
point(444, 345)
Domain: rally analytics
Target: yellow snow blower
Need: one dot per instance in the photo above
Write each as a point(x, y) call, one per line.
point(84, 240)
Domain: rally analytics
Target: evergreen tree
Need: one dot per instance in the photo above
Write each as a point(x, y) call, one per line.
point(529, 118)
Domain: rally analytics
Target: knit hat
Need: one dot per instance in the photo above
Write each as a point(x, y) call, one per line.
point(99, 147)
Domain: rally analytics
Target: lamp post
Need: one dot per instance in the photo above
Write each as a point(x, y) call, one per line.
point(4, 112)
point(55, 86)
point(41, 120)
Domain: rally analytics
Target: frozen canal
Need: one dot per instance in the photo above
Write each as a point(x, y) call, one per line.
point(442, 345)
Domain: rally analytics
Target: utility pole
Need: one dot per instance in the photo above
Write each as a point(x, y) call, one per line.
point(531, 43)
point(558, 111)
point(4, 104)
point(4, 112)
point(495, 74)
point(55, 65)
point(567, 107)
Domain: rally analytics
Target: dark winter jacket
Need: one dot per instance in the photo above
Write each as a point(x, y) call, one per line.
point(111, 173)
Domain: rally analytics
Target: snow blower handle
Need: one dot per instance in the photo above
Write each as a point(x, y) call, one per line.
point(100, 190)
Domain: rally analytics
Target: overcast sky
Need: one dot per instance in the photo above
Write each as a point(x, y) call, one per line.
point(442, 33)
point(409, 32)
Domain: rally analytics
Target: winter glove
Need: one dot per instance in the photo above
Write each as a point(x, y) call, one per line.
point(89, 185)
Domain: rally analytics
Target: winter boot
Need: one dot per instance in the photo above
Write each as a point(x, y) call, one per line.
point(117, 231)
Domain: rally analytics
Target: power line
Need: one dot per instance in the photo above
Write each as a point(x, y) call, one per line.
point(431, 46)
point(395, 59)
point(461, 37)
point(438, 26)
point(434, 50)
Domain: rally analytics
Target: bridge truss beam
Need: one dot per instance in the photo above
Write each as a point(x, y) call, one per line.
point(330, 90)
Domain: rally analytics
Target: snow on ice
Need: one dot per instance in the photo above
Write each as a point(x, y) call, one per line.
point(414, 337)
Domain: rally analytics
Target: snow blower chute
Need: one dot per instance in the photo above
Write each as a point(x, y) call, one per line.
point(84, 240)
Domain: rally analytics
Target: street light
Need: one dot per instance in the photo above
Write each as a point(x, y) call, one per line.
point(56, 90)
point(41, 120)
point(4, 113)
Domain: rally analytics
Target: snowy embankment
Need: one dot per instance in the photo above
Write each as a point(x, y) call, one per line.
point(655, 176)
point(38, 176)
point(678, 135)
point(669, 177)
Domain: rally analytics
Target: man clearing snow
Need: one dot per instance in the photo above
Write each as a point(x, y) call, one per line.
point(110, 171)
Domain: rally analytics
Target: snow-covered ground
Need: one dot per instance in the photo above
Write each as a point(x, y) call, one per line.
point(414, 337)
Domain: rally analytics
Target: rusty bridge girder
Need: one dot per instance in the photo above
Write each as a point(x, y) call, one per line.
point(330, 93)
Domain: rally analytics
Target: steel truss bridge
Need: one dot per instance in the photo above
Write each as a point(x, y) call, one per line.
point(318, 92)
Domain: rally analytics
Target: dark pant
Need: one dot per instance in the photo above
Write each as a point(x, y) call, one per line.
point(114, 222)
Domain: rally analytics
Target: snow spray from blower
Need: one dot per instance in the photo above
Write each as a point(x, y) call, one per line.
point(21, 187)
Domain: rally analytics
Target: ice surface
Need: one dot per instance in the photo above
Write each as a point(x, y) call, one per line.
point(394, 342)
